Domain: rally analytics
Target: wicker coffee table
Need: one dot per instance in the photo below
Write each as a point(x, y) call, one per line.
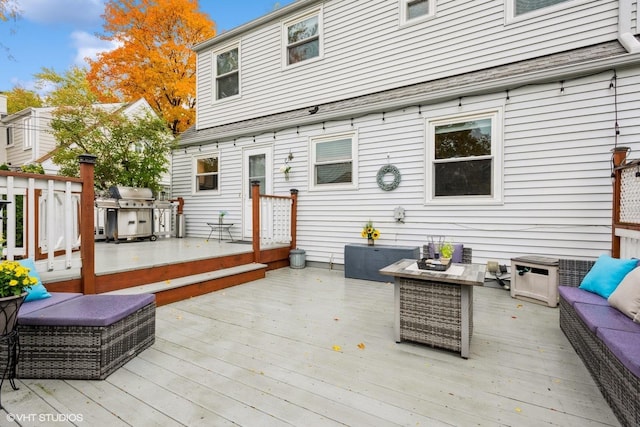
point(435, 308)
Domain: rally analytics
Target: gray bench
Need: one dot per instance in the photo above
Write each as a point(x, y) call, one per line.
point(75, 336)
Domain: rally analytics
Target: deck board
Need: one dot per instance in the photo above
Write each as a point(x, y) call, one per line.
point(263, 353)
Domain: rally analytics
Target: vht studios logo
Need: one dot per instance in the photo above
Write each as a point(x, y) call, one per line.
point(42, 418)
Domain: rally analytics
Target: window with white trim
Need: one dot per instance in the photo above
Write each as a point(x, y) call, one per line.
point(227, 73)
point(524, 9)
point(464, 160)
point(416, 10)
point(9, 136)
point(207, 173)
point(28, 130)
point(303, 38)
point(333, 160)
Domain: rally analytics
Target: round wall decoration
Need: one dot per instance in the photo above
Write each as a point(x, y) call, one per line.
point(384, 170)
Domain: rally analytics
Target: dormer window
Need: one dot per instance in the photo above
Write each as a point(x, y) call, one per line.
point(303, 38)
point(227, 78)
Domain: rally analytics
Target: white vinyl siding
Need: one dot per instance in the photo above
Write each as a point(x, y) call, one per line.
point(525, 9)
point(556, 175)
point(364, 51)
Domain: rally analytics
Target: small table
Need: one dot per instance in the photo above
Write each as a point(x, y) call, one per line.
point(220, 228)
point(435, 308)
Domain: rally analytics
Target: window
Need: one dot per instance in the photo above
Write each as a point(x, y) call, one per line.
point(9, 135)
point(28, 133)
point(333, 161)
point(207, 173)
point(416, 10)
point(525, 6)
point(525, 9)
point(227, 74)
point(303, 39)
point(464, 158)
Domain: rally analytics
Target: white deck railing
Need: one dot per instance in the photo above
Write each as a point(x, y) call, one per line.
point(626, 211)
point(275, 220)
point(42, 217)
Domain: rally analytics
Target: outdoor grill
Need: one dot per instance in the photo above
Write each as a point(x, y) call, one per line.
point(129, 213)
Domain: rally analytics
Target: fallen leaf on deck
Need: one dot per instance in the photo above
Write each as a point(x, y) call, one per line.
point(514, 317)
point(336, 318)
point(336, 348)
point(361, 346)
point(518, 410)
point(167, 281)
point(519, 306)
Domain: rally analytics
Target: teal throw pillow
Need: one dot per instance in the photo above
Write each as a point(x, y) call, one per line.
point(606, 274)
point(37, 291)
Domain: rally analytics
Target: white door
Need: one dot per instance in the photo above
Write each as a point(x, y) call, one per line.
point(257, 165)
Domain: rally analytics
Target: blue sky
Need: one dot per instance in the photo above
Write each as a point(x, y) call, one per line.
point(60, 33)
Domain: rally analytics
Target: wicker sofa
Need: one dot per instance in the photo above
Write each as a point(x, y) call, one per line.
point(75, 336)
point(607, 341)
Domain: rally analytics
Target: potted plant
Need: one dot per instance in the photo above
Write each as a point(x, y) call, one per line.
point(14, 282)
point(446, 251)
point(370, 232)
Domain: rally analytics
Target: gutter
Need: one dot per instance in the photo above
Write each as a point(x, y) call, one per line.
point(432, 97)
point(625, 33)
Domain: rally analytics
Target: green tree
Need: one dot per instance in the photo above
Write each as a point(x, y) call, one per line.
point(19, 98)
point(130, 151)
point(69, 88)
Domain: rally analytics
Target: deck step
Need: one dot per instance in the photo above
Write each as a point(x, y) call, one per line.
point(194, 279)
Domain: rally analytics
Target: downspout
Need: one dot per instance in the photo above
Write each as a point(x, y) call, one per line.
point(625, 33)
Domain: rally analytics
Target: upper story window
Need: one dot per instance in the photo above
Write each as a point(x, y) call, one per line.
point(464, 160)
point(9, 135)
point(28, 133)
point(207, 173)
point(524, 9)
point(303, 38)
point(333, 160)
point(526, 6)
point(227, 73)
point(416, 10)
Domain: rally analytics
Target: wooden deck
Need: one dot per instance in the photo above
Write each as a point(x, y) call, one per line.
point(308, 347)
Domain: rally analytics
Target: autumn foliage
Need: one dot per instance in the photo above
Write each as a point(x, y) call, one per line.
point(154, 59)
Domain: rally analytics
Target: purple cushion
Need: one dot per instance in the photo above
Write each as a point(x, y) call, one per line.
point(625, 346)
point(601, 316)
point(55, 298)
point(88, 310)
point(573, 295)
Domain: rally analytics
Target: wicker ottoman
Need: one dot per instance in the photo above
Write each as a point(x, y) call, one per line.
point(88, 337)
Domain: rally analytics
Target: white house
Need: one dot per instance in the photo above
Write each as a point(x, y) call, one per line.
point(498, 117)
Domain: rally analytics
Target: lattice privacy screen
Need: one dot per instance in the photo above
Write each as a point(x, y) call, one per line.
point(630, 196)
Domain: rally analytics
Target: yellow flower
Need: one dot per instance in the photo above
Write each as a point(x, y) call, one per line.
point(13, 282)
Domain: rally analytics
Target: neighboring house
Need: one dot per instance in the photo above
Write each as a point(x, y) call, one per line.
point(500, 116)
point(27, 136)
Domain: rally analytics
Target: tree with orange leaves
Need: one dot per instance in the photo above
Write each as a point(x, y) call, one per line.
point(154, 59)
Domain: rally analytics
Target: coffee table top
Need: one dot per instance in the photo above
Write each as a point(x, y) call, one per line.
point(469, 274)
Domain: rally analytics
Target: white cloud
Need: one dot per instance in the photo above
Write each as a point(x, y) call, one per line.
point(76, 12)
point(89, 46)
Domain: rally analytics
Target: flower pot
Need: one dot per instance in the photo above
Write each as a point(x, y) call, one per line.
point(9, 307)
point(370, 242)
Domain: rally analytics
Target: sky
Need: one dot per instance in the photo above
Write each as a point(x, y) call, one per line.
point(59, 34)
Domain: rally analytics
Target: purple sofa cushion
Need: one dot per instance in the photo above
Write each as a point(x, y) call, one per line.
point(624, 345)
point(600, 316)
point(88, 310)
point(55, 298)
point(573, 295)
